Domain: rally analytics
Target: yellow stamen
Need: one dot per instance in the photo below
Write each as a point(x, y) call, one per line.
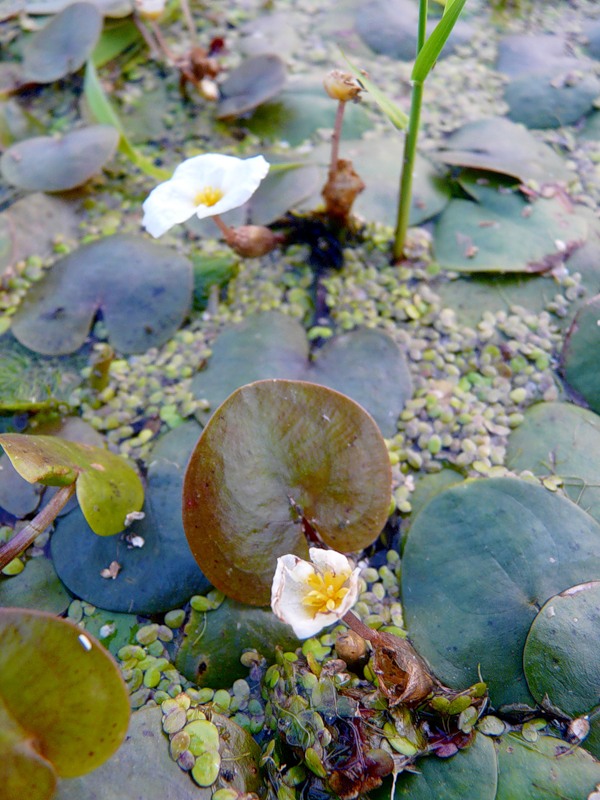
point(327, 593)
point(209, 196)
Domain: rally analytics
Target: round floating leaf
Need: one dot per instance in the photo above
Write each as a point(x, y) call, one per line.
point(255, 81)
point(108, 488)
point(38, 587)
point(354, 363)
point(561, 439)
point(273, 345)
point(561, 653)
point(428, 486)
point(30, 226)
point(65, 693)
point(545, 769)
point(31, 383)
point(579, 358)
point(143, 762)
point(17, 496)
point(504, 233)
point(499, 145)
point(113, 630)
point(63, 45)
point(547, 88)
point(480, 560)
point(50, 164)
point(144, 291)
point(391, 29)
point(153, 578)
point(110, 8)
point(210, 652)
point(301, 110)
point(472, 773)
point(275, 456)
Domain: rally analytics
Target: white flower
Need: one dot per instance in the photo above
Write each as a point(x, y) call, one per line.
point(310, 597)
point(152, 9)
point(204, 185)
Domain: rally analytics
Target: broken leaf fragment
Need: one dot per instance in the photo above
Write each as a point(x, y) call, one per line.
point(107, 487)
point(69, 716)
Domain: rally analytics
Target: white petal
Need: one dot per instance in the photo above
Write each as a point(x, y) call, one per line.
point(330, 560)
point(170, 203)
point(238, 180)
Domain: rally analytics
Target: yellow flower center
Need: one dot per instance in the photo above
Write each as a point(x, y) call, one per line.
point(327, 592)
point(209, 196)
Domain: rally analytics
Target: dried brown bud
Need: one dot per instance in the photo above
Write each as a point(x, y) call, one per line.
point(403, 675)
point(341, 86)
point(352, 649)
point(342, 187)
point(252, 241)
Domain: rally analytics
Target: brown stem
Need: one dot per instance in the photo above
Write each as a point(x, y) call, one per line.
point(352, 621)
point(335, 137)
point(26, 535)
point(161, 41)
point(225, 229)
point(189, 20)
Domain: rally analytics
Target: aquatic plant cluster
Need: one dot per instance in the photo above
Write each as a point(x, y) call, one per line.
point(337, 513)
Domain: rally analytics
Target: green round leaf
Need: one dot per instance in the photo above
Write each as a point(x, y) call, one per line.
point(62, 687)
point(273, 345)
point(547, 88)
point(504, 233)
point(499, 145)
point(255, 81)
point(479, 561)
point(471, 773)
point(561, 653)
point(579, 358)
point(274, 456)
point(50, 164)
point(156, 577)
point(108, 488)
point(144, 291)
point(545, 769)
point(63, 45)
point(38, 586)
point(561, 439)
point(143, 762)
point(214, 640)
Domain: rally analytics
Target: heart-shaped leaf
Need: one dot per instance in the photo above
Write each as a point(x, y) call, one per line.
point(499, 145)
point(255, 81)
point(561, 439)
point(480, 560)
point(63, 703)
point(561, 653)
point(472, 773)
point(108, 488)
point(159, 575)
point(275, 458)
point(544, 769)
point(547, 87)
point(504, 233)
point(63, 45)
point(142, 761)
point(273, 345)
point(579, 358)
point(51, 164)
point(210, 651)
point(38, 586)
point(144, 291)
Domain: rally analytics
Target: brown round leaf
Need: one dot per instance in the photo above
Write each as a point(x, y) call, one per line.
point(277, 458)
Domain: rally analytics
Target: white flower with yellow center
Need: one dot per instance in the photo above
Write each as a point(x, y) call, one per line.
point(205, 185)
point(151, 9)
point(311, 596)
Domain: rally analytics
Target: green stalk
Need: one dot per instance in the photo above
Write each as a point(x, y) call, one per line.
point(410, 145)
